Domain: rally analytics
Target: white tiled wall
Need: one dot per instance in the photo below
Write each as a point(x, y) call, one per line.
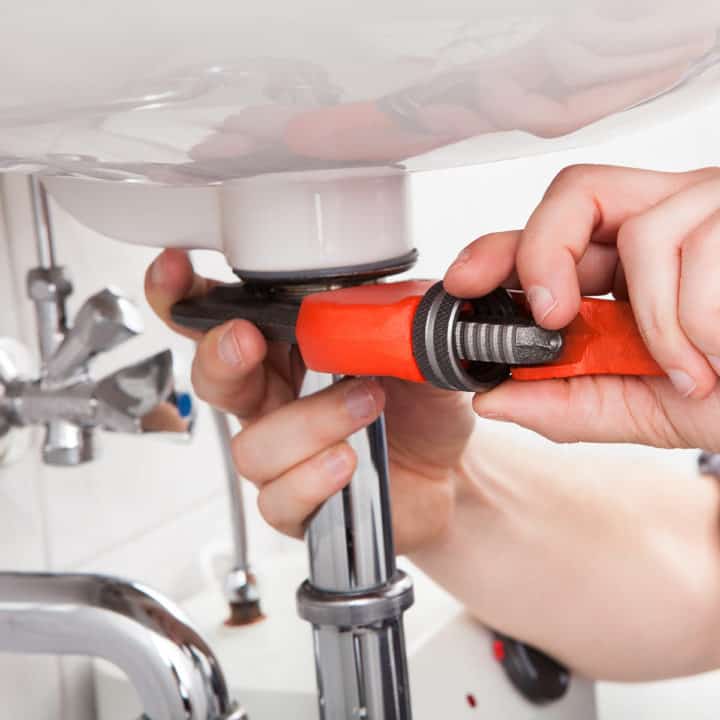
point(148, 508)
point(152, 510)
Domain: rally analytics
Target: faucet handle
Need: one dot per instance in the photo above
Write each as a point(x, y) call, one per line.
point(143, 398)
point(104, 321)
point(129, 395)
point(140, 398)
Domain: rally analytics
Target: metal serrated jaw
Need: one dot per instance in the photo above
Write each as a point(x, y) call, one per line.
point(508, 344)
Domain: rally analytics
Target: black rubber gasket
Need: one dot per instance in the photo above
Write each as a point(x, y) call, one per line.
point(342, 274)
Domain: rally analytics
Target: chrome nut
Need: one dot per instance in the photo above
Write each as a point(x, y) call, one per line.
point(48, 284)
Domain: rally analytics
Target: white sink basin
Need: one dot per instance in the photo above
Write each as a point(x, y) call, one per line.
point(178, 93)
point(331, 102)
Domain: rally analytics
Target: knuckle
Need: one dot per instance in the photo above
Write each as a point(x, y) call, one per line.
point(709, 172)
point(315, 416)
point(630, 235)
point(243, 457)
point(653, 330)
point(573, 175)
point(274, 517)
point(308, 495)
point(344, 453)
point(314, 420)
point(700, 324)
point(701, 237)
point(268, 511)
point(351, 456)
point(647, 418)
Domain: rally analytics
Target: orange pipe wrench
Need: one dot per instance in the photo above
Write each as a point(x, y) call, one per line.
point(416, 331)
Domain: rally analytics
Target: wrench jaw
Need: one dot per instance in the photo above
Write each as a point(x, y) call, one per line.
point(511, 343)
point(275, 315)
point(472, 345)
point(272, 301)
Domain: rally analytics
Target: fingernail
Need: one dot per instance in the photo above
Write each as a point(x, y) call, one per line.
point(337, 463)
point(683, 383)
point(229, 348)
point(461, 259)
point(715, 362)
point(157, 270)
point(542, 302)
point(360, 402)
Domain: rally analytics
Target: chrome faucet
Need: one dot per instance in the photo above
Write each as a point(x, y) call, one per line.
point(65, 398)
point(175, 673)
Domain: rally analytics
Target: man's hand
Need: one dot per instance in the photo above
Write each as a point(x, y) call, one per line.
point(648, 236)
point(295, 450)
point(618, 580)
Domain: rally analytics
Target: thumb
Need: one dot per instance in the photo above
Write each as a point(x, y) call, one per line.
point(580, 409)
point(171, 278)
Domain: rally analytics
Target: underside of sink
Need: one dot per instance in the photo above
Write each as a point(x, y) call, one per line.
point(195, 94)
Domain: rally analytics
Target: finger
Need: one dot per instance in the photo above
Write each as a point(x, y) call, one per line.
point(228, 369)
point(597, 271)
point(699, 296)
point(483, 265)
point(490, 261)
point(274, 443)
point(583, 204)
point(171, 278)
point(288, 502)
point(583, 409)
point(649, 248)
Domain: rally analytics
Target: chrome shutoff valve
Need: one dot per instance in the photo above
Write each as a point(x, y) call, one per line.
point(69, 402)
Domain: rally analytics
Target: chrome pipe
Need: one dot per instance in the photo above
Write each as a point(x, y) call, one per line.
point(48, 284)
point(355, 596)
point(44, 238)
point(240, 588)
point(238, 520)
point(48, 287)
point(360, 512)
point(175, 673)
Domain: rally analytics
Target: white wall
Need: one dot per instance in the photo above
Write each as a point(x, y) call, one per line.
point(453, 207)
point(150, 510)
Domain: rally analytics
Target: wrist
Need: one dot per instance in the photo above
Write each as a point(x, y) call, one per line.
point(482, 494)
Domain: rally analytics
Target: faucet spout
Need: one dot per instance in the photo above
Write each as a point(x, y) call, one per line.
point(173, 670)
